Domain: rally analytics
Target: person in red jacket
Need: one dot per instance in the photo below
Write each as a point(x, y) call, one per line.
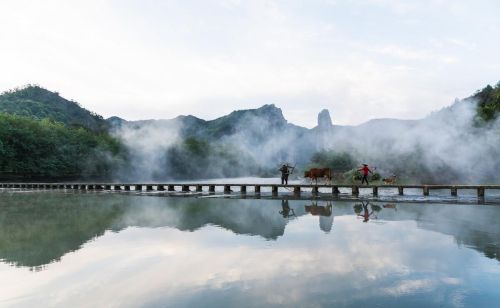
point(365, 170)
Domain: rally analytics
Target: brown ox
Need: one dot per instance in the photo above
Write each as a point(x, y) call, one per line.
point(318, 210)
point(319, 173)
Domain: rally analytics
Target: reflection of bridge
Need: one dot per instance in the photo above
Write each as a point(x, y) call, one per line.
point(297, 189)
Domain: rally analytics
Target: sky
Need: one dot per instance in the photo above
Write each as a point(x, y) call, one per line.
point(153, 59)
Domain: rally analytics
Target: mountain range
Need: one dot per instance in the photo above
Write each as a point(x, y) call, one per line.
point(440, 147)
point(39, 103)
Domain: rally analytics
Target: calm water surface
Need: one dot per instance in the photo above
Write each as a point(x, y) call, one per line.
point(100, 249)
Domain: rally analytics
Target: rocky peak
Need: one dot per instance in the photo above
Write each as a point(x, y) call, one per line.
point(324, 120)
point(272, 113)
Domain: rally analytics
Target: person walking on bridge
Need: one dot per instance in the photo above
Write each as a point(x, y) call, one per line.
point(285, 172)
point(365, 170)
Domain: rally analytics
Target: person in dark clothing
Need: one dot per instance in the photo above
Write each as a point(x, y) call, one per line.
point(365, 170)
point(285, 172)
point(285, 209)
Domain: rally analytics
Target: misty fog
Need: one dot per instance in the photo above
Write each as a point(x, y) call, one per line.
point(446, 146)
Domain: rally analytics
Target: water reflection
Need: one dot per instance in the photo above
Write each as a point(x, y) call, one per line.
point(39, 228)
point(286, 211)
point(362, 210)
point(325, 214)
point(390, 206)
point(156, 251)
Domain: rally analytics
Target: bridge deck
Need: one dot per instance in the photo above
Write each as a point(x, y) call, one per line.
point(296, 188)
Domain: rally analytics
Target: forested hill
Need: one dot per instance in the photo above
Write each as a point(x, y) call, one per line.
point(38, 103)
point(488, 102)
point(44, 136)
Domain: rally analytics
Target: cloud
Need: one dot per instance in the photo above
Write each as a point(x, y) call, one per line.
point(160, 59)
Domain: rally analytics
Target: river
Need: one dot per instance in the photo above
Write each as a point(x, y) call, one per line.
point(94, 249)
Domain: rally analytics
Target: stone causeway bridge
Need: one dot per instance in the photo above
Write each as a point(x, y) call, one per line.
point(227, 188)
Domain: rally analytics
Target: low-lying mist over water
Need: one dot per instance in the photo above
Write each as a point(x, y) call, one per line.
point(448, 146)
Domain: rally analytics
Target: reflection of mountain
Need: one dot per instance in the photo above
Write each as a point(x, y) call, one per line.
point(36, 229)
point(251, 217)
point(472, 226)
point(39, 228)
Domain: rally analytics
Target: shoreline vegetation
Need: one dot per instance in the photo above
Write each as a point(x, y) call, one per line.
point(46, 137)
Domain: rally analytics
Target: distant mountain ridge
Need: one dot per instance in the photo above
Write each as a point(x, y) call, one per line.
point(36, 102)
point(272, 121)
point(39, 103)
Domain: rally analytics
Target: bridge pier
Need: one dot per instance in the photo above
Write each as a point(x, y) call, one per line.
point(274, 190)
point(480, 192)
point(335, 190)
point(117, 187)
point(227, 189)
point(400, 190)
point(375, 190)
point(171, 187)
point(199, 188)
point(296, 190)
point(315, 190)
point(211, 188)
point(185, 188)
point(138, 187)
point(107, 187)
point(243, 189)
point(355, 190)
point(257, 189)
point(160, 187)
point(454, 191)
point(127, 187)
point(149, 187)
point(426, 190)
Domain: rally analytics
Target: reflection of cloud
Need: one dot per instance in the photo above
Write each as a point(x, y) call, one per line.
point(164, 265)
point(451, 280)
point(410, 286)
point(457, 299)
